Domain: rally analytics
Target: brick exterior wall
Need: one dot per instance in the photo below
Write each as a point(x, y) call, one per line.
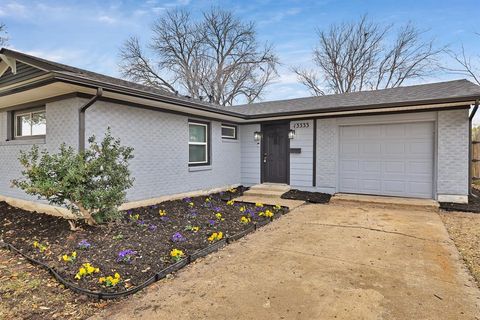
point(62, 127)
point(452, 178)
point(160, 140)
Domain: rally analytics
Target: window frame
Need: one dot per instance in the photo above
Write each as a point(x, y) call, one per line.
point(31, 112)
point(230, 126)
point(207, 143)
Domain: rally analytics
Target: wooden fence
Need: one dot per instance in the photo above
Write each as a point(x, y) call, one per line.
point(476, 160)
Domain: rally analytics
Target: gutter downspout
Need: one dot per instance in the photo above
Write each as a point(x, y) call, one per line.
point(81, 118)
point(470, 149)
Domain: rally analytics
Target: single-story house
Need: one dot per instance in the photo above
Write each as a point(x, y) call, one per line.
point(410, 141)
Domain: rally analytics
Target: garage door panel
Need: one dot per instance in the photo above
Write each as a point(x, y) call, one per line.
point(371, 166)
point(349, 132)
point(395, 167)
point(370, 132)
point(350, 148)
point(395, 148)
point(394, 130)
point(421, 148)
point(422, 188)
point(419, 167)
point(350, 166)
point(387, 159)
point(370, 148)
point(371, 185)
point(419, 130)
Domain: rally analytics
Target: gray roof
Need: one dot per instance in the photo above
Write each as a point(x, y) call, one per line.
point(440, 92)
point(394, 97)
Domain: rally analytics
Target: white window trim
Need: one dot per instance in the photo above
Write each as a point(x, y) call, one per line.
point(15, 123)
point(199, 143)
point(234, 137)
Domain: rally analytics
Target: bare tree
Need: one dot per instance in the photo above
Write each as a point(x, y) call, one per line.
point(3, 35)
point(356, 56)
point(467, 66)
point(217, 57)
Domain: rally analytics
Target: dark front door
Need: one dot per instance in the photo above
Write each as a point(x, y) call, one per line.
point(275, 153)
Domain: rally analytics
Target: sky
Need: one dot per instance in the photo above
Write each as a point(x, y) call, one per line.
point(88, 34)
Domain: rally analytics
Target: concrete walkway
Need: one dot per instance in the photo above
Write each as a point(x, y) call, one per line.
point(321, 262)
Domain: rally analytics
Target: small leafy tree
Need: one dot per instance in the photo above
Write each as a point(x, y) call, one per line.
point(91, 183)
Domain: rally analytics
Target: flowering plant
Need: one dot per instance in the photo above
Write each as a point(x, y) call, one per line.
point(219, 216)
point(230, 202)
point(258, 204)
point(192, 228)
point(126, 255)
point(162, 213)
point(211, 222)
point(69, 258)
point(232, 190)
point(110, 281)
point(39, 246)
point(85, 270)
point(178, 237)
point(267, 213)
point(216, 236)
point(245, 219)
point(134, 217)
point(152, 227)
point(177, 254)
point(84, 245)
point(191, 204)
point(277, 207)
point(242, 209)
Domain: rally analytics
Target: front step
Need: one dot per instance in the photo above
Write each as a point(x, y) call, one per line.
point(384, 201)
point(267, 190)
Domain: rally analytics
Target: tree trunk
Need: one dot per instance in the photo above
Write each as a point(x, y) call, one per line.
point(86, 215)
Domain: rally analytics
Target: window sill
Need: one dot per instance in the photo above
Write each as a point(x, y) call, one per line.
point(20, 142)
point(199, 168)
point(229, 140)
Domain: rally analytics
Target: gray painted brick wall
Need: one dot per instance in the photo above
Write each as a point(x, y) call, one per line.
point(301, 164)
point(453, 152)
point(62, 127)
point(250, 155)
point(327, 154)
point(160, 139)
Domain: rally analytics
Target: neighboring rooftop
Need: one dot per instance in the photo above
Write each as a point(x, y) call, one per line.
point(432, 93)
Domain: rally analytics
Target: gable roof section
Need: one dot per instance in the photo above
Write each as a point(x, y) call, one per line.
point(457, 91)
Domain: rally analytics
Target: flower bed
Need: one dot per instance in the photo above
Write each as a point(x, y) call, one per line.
point(125, 254)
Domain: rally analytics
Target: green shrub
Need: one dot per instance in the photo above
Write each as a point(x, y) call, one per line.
point(92, 183)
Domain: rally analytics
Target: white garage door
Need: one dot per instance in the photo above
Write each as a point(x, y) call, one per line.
point(387, 159)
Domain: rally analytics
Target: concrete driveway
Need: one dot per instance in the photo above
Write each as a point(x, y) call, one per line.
point(322, 262)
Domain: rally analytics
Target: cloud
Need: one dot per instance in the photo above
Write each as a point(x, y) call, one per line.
point(14, 9)
point(279, 16)
point(107, 19)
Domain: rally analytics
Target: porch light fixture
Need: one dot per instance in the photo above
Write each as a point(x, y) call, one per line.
point(257, 136)
point(291, 134)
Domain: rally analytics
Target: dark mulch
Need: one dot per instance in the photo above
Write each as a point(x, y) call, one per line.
point(313, 197)
point(149, 234)
point(473, 204)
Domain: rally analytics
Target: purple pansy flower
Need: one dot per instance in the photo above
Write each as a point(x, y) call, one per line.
point(84, 245)
point(178, 237)
point(211, 222)
point(152, 227)
point(126, 255)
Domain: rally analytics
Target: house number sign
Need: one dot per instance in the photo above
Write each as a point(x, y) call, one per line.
point(299, 125)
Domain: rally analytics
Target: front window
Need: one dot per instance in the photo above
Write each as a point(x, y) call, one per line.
point(198, 143)
point(229, 131)
point(30, 123)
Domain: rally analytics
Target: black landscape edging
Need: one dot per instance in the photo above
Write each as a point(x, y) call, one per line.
point(157, 276)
